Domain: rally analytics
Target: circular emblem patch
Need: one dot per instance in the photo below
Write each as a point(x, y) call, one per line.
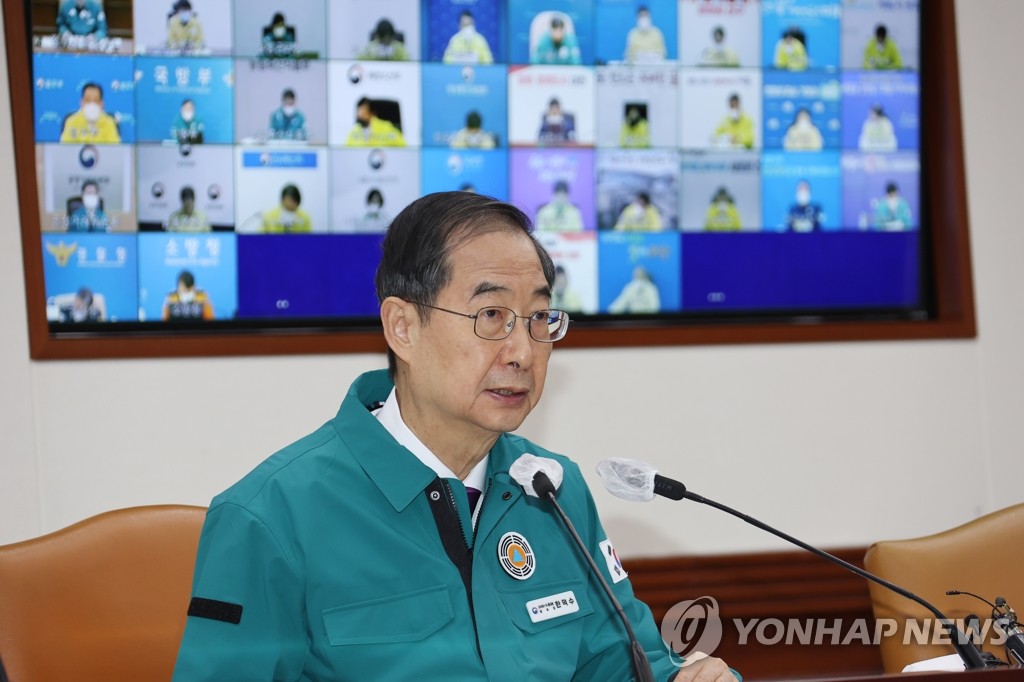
point(516, 556)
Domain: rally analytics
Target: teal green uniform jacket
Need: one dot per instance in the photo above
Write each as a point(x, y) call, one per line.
point(333, 554)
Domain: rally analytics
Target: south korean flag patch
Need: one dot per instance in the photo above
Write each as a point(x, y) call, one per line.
point(615, 569)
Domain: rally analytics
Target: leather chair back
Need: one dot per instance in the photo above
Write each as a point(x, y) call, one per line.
point(984, 556)
point(103, 599)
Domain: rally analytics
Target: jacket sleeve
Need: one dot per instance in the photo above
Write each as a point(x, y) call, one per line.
point(246, 619)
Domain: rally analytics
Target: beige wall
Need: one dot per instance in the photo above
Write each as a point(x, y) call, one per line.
point(839, 444)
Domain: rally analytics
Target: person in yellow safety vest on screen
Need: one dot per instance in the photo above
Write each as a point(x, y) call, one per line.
point(188, 218)
point(635, 133)
point(645, 43)
point(372, 131)
point(790, 51)
point(90, 123)
point(184, 30)
point(467, 46)
point(473, 136)
point(559, 214)
point(881, 52)
point(639, 215)
point(562, 296)
point(803, 135)
point(640, 295)
point(287, 217)
point(722, 215)
point(719, 54)
point(385, 44)
point(736, 131)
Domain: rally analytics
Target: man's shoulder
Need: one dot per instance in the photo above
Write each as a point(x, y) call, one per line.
point(286, 468)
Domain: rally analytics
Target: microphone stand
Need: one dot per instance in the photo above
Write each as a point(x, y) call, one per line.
point(968, 653)
point(641, 666)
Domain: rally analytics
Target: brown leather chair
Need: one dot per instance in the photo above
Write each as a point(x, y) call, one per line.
point(983, 556)
point(103, 599)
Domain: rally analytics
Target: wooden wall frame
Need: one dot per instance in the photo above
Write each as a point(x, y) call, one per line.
point(949, 262)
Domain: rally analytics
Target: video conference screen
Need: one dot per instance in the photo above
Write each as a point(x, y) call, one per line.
point(205, 160)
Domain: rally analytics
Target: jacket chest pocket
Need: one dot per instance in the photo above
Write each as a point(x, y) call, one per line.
point(538, 608)
point(407, 617)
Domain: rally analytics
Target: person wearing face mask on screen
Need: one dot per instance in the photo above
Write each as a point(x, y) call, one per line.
point(184, 30)
point(557, 45)
point(719, 53)
point(187, 127)
point(805, 215)
point(893, 212)
point(881, 52)
point(803, 135)
point(736, 131)
point(722, 215)
point(468, 46)
point(639, 295)
point(278, 38)
point(90, 123)
point(472, 136)
point(187, 302)
point(81, 18)
point(635, 132)
point(188, 218)
point(375, 218)
point(791, 50)
point(639, 215)
point(556, 126)
point(287, 122)
point(83, 307)
point(89, 217)
point(385, 44)
point(287, 216)
point(645, 43)
point(877, 133)
point(559, 214)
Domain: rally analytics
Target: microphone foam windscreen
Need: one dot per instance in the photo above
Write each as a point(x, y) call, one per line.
point(628, 479)
point(526, 467)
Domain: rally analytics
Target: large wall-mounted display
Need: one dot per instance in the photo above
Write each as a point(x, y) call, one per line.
point(235, 164)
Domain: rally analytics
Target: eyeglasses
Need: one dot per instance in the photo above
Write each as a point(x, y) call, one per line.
point(495, 323)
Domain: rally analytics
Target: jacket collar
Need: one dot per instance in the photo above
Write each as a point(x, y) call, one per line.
point(397, 472)
point(392, 468)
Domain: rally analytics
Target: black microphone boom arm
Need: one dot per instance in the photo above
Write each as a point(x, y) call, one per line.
point(968, 653)
point(641, 666)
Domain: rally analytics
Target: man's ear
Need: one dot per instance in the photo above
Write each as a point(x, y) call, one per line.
point(400, 320)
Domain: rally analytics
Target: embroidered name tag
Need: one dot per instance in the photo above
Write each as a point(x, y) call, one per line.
point(546, 608)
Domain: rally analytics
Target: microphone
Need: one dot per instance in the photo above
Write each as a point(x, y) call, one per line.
point(1014, 634)
point(1006, 620)
point(538, 476)
point(634, 480)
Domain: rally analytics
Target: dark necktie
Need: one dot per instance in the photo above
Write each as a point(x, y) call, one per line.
point(474, 496)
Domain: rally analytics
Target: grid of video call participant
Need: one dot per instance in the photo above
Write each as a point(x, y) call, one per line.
point(205, 159)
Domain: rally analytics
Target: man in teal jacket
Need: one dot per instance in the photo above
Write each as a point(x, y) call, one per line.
point(361, 553)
